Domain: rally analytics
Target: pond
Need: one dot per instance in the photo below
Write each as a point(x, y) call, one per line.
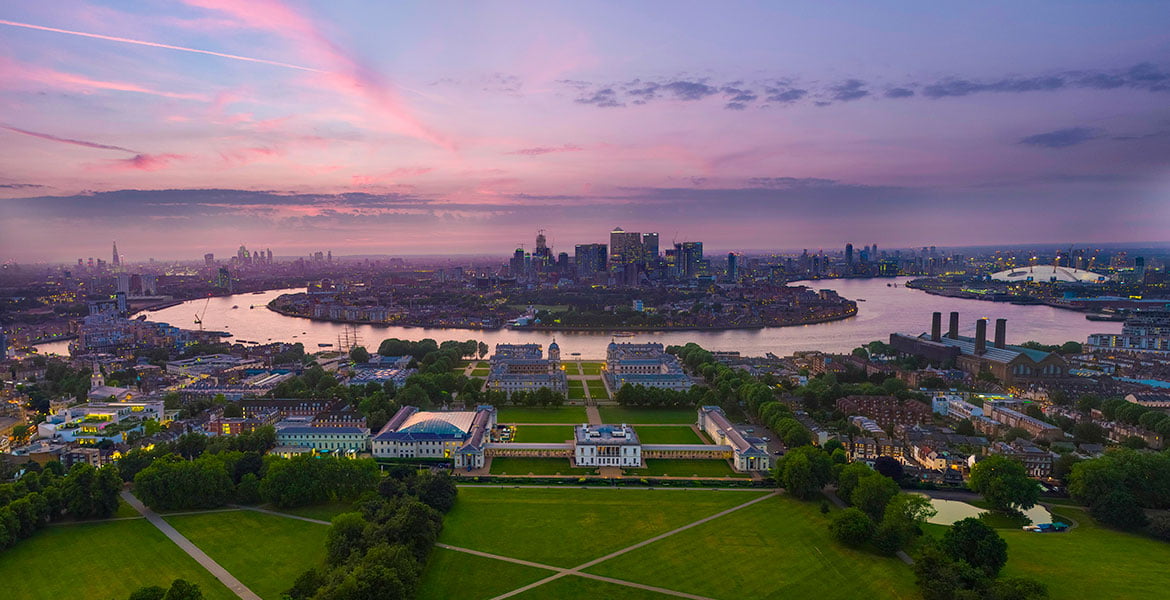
point(950, 511)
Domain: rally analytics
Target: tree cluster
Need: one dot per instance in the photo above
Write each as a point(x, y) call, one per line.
point(379, 551)
point(653, 397)
point(1120, 484)
point(37, 498)
point(965, 564)
point(880, 513)
point(1117, 409)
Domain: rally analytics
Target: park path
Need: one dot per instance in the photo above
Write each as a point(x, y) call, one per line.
point(593, 414)
point(578, 569)
point(282, 514)
point(191, 549)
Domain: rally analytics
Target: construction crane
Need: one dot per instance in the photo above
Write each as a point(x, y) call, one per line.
point(199, 315)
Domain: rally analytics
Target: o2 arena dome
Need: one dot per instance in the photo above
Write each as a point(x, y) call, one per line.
point(1049, 274)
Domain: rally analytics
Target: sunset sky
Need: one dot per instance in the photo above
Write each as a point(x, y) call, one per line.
point(184, 127)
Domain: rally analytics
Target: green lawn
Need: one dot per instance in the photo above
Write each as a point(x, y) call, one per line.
point(536, 466)
point(681, 434)
point(453, 574)
point(323, 512)
point(265, 552)
point(567, 527)
point(478, 372)
point(542, 433)
point(591, 368)
point(634, 416)
point(576, 389)
point(569, 415)
point(99, 560)
point(580, 587)
point(1088, 561)
point(669, 467)
point(597, 389)
point(571, 368)
point(779, 548)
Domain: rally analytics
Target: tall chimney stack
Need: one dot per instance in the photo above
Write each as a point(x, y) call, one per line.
point(936, 327)
point(953, 331)
point(981, 336)
point(1001, 333)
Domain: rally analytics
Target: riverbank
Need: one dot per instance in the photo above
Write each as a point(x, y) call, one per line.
point(999, 298)
point(554, 328)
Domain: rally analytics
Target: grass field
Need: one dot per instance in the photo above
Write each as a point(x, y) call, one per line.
point(477, 372)
point(453, 574)
point(778, 548)
point(597, 389)
point(571, 368)
point(579, 587)
point(681, 434)
point(567, 527)
point(99, 560)
point(536, 466)
point(265, 552)
point(662, 467)
point(542, 433)
point(635, 416)
point(591, 368)
point(576, 389)
point(570, 415)
point(1067, 562)
point(323, 512)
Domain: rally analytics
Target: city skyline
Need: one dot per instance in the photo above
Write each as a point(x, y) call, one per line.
point(197, 126)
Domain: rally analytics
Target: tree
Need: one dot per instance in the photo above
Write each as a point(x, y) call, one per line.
point(1088, 433)
point(905, 513)
point(436, 490)
point(152, 592)
point(890, 467)
point(1120, 509)
point(873, 493)
point(1018, 588)
point(359, 354)
point(803, 471)
point(183, 590)
point(233, 411)
point(345, 537)
point(976, 543)
point(851, 527)
point(1004, 483)
point(849, 477)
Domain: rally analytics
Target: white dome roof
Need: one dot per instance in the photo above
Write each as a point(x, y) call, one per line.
point(1049, 273)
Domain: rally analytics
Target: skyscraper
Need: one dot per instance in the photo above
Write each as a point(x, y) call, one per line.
point(849, 254)
point(591, 259)
point(208, 259)
point(625, 247)
point(649, 248)
point(688, 259)
point(117, 262)
point(732, 267)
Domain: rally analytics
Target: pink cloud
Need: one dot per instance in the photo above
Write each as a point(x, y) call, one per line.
point(13, 70)
point(347, 75)
point(388, 177)
point(539, 150)
point(144, 162)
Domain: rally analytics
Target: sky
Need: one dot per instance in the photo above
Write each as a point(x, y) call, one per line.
point(179, 127)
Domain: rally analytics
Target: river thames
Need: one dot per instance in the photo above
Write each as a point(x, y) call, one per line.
point(882, 309)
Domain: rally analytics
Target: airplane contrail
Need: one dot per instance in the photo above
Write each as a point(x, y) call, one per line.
point(54, 138)
point(123, 40)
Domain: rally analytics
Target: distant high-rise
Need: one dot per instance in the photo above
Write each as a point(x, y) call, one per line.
point(208, 259)
point(688, 259)
point(849, 254)
point(732, 267)
point(649, 247)
point(591, 259)
point(270, 256)
point(625, 247)
point(117, 262)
